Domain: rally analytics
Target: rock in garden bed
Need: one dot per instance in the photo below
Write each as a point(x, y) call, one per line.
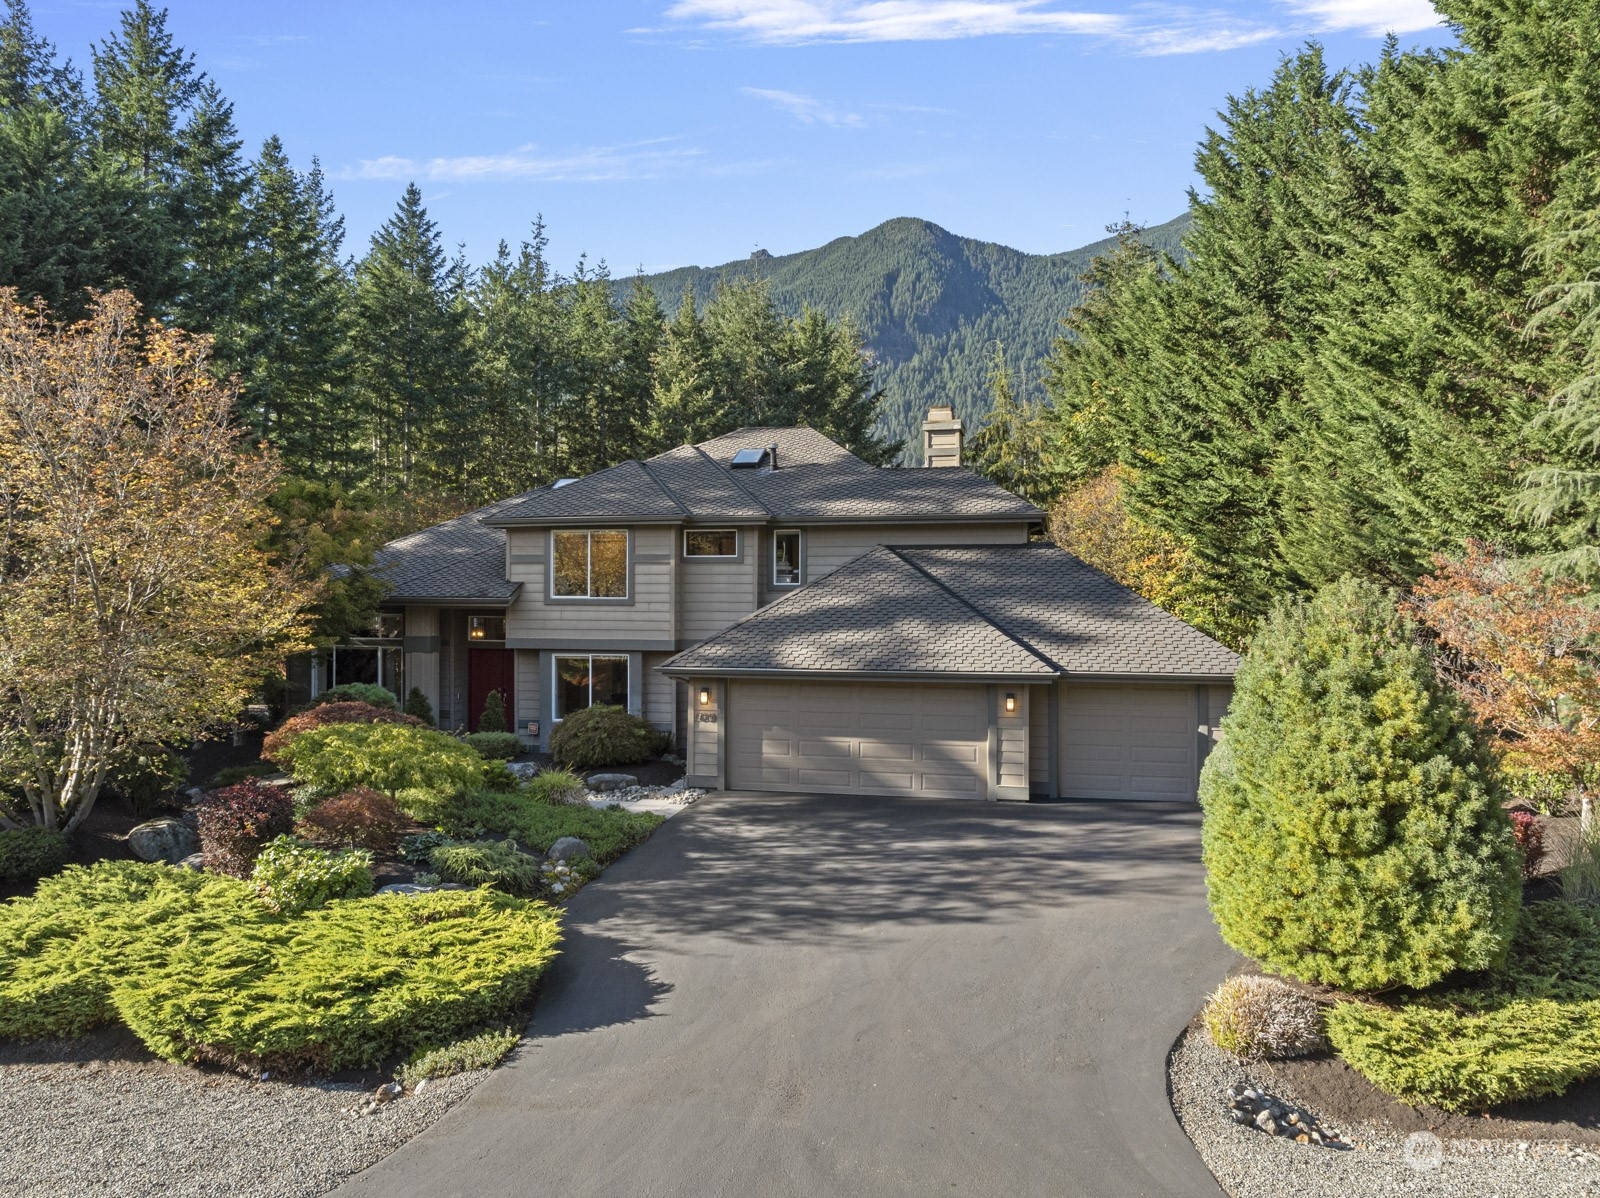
point(1428, 1154)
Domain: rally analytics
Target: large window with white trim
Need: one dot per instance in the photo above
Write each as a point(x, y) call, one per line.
point(587, 679)
point(589, 564)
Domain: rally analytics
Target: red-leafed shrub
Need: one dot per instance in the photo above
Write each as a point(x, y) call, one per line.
point(331, 713)
point(1529, 834)
point(236, 821)
point(361, 817)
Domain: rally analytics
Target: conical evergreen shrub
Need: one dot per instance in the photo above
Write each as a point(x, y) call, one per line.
point(493, 718)
point(417, 704)
point(1352, 830)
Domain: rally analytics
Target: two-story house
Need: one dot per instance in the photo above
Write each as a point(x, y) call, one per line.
point(798, 619)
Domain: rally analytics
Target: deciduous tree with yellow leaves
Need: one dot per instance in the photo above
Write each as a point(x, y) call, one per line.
point(136, 606)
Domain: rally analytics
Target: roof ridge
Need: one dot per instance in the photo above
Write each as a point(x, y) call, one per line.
point(661, 486)
point(976, 610)
point(734, 479)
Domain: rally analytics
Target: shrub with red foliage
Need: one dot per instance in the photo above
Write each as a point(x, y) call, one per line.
point(331, 713)
point(237, 820)
point(1529, 835)
point(359, 817)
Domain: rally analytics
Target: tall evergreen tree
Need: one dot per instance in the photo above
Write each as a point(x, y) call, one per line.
point(292, 321)
point(208, 214)
point(1010, 449)
point(684, 387)
point(409, 343)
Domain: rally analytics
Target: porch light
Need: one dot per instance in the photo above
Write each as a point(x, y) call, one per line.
point(705, 696)
point(1011, 704)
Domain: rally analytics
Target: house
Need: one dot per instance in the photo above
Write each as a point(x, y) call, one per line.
point(800, 620)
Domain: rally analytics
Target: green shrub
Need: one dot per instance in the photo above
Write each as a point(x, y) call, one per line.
point(1353, 833)
point(358, 692)
point(556, 787)
point(538, 825)
point(200, 970)
point(1580, 877)
point(419, 848)
point(495, 863)
point(27, 854)
point(350, 712)
point(494, 746)
point(291, 876)
point(409, 764)
point(493, 716)
point(482, 1051)
point(602, 735)
point(1530, 1029)
point(497, 775)
point(234, 774)
point(418, 707)
point(147, 777)
point(1257, 1018)
point(61, 949)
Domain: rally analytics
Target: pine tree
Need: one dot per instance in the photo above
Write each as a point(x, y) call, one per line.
point(639, 336)
point(408, 339)
point(684, 389)
point(295, 358)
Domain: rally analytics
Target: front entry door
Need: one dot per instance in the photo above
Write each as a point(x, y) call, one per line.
point(490, 670)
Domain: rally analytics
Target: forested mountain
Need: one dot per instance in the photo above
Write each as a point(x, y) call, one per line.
point(929, 304)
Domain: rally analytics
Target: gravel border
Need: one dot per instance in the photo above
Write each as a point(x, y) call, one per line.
point(135, 1127)
point(1251, 1164)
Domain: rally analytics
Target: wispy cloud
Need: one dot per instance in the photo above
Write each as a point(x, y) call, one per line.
point(597, 164)
point(1143, 28)
point(808, 110)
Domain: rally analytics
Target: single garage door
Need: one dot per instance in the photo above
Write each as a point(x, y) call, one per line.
point(869, 739)
point(1128, 742)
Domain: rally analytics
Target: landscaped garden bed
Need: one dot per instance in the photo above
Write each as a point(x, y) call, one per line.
point(1427, 988)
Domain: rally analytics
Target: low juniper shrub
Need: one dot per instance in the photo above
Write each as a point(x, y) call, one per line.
point(237, 820)
point(359, 692)
point(495, 746)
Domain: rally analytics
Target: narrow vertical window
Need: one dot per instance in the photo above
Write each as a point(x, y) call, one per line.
point(786, 559)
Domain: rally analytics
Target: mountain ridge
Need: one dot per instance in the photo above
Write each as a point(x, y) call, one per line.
point(930, 303)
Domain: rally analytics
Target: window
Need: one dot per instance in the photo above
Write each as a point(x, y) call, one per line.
point(710, 542)
point(585, 680)
point(486, 628)
point(589, 565)
point(786, 559)
point(389, 625)
point(352, 663)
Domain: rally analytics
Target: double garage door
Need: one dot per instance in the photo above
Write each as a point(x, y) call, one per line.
point(868, 739)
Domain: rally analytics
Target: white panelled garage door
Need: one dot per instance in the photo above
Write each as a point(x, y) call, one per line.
point(868, 739)
point(1128, 742)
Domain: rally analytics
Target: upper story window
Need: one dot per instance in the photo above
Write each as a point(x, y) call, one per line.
point(486, 628)
point(710, 542)
point(786, 558)
point(589, 565)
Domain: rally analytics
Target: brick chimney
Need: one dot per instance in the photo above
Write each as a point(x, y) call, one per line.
point(941, 437)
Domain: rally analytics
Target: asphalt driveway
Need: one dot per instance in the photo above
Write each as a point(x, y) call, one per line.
point(855, 996)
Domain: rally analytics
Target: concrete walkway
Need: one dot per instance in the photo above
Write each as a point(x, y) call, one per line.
point(829, 996)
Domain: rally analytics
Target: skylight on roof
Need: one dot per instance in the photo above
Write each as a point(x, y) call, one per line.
point(749, 457)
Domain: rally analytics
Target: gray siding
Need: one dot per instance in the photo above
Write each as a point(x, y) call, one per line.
point(647, 615)
point(712, 593)
point(827, 547)
point(659, 692)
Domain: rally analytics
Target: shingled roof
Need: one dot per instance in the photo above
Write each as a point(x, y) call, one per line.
point(457, 561)
point(816, 481)
point(1028, 611)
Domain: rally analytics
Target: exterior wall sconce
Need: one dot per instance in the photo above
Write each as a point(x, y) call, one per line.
point(1011, 704)
point(705, 696)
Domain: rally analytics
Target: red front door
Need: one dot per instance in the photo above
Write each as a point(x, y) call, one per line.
point(491, 670)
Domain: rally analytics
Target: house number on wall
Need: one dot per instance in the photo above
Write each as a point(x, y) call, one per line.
point(708, 717)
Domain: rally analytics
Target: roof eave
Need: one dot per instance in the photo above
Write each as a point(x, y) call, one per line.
point(672, 671)
point(400, 599)
point(1103, 676)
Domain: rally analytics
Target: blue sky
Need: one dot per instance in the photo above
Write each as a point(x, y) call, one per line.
point(666, 132)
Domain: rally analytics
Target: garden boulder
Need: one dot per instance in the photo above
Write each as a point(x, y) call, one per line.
point(168, 840)
point(566, 849)
point(604, 782)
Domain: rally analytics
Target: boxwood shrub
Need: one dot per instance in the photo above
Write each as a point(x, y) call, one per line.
point(604, 735)
point(494, 746)
point(27, 854)
point(1530, 1028)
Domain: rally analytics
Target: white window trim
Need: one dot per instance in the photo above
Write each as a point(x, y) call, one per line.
point(800, 553)
point(715, 557)
point(555, 675)
point(627, 574)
